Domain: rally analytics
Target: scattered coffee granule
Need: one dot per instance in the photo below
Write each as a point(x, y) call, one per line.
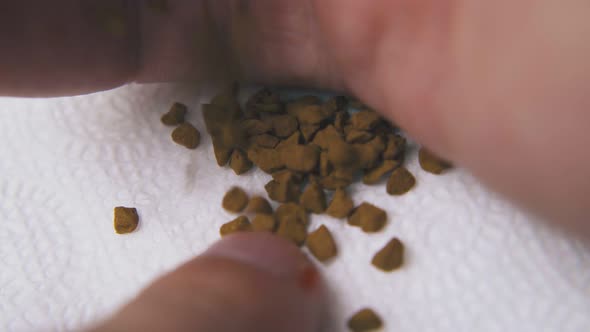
point(265, 100)
point(253, 127)
point(284, 125)
point(235, 200)
point(341, 205)
point(365, 120)
point(400, 181)
point(239, 162)
point(359, 136)
point(432, 163)
point(283, 191)
point(265, 141)
point(396, 147)
point(268, 160)
point(126, 220)
point(300, 158)
point(258, 205)
point(391, 257)
point(175, 115)
point(374, 175)
point(187, 136)
point(264, 223)
point(368, 217)
point(292, 210)
point(364, 320)
point(321, 244)
point(291, 229)
point(240, 224)
point(291, 140)
point(313, 199)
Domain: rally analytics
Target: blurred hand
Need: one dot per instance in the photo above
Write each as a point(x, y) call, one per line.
point(245, 282)
point(499, 87)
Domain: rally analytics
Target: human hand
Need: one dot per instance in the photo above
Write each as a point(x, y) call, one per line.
point(245, 282)
point(498, 87)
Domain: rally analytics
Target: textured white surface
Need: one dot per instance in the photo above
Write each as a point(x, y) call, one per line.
point(474, 263)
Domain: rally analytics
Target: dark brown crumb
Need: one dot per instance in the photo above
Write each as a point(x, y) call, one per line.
point(240, 224)
point(364, 320)
point(400, 182)
point(126, 220)
point(175, 115)
point(235, 200)
point(390, 257)
point(258, 205)
point(313, 199)
point(368, 217)
point(187, 136)
point(264, 223)
point(341, 205)
point(432, 163)
point(321, 244)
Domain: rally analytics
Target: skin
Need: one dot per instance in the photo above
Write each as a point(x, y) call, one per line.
point(499, 87)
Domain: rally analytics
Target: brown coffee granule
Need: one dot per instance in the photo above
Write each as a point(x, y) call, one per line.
point(340, 120)
point(338, 178)
point(292, 229)
point(432, 163)
point(313, 199)
point(288, 175)
point(265, 141)
point(235, 200)
point(254, 127)
point(359, 136)
point(341, 205)
point(284, 125)
point(175, 115)
point(364, 320)
point(321, 244)
point(396, 147)
point(187, 136)
point(222, 154)
point(294, 210)
point(239, 162)
point(283, 191)
point(300, 158)
point(268, 160)
point(325, 137)
point(258, 205)
point(365, 120)
point(264, 223)
point(368, 217)
point(374, 175)
point(300, 102)
point(266, 101)
point(389, 257)
point(325, 166)
point(308, 131)
point(342, 155)
point(294, 139)
point(400, 182)
point(125, 220)
point(240, 224)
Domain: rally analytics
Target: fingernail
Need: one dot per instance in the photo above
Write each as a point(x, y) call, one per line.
point(265, 251)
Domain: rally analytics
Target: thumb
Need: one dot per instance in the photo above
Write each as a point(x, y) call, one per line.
point(245, 282)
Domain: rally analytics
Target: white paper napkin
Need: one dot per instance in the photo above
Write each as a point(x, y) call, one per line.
point(474, 263)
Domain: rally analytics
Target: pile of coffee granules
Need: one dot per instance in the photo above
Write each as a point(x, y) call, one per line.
point(310, 147)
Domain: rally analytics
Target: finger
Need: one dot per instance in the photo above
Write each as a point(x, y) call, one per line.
point(66, 47)
point(246, 282)
point(499, 87)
